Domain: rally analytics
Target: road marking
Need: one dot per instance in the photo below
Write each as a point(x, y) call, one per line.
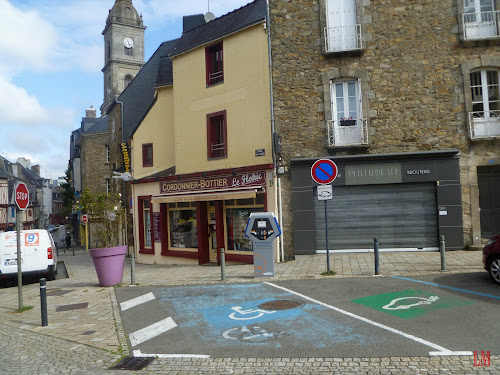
point(441, 350)
point(152, 331)
point(447, 287)
point(137, 301)
point(137, 353)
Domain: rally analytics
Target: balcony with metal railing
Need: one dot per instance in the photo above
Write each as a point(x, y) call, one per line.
point(347, 133)
point(484, 25)
point(484, 124)
point(343, 38)
point(215, 77)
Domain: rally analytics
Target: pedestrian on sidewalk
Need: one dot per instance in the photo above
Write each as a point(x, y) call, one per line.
point(68, 242)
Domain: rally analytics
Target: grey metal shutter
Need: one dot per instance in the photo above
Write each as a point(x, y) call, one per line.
point(399, 215)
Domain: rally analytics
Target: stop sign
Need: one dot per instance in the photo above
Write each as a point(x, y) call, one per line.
point(84, 218)
point(22, 196)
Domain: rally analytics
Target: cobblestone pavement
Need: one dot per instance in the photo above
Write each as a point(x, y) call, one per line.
point(87, 336)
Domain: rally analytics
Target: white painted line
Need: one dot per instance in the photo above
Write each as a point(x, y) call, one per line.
point(441, 350)
point(151, 331)
point(450, 353)
point(137, 301)
point(137, 353)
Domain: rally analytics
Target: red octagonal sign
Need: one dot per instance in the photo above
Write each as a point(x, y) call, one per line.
point(22, 197)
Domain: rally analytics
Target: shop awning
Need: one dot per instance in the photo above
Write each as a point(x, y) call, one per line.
point(205, 196)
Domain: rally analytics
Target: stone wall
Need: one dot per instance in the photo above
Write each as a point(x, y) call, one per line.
point(95, 169)
point(413, 85)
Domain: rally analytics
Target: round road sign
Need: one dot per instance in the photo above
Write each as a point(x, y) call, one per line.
point(84, 218)
point(22, 197)
point(324, 171)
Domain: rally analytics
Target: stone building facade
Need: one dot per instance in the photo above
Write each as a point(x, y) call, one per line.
point(413, 70)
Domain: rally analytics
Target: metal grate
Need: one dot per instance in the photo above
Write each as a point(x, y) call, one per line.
point(75, 306)
point(133, 363)
point(58, 292)
point(280, 305)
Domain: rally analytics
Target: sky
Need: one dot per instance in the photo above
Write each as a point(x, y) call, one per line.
point(51, 56)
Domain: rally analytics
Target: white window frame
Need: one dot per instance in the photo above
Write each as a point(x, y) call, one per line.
point(345, 100)
point(480, 20)
point(106, 150)
point(108, 185)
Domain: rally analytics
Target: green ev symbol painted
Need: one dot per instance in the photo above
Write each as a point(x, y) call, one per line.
point(409, 304)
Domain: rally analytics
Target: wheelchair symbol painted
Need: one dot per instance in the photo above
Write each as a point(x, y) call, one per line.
point(252, 314)
point(423, 301)
point(251, 334)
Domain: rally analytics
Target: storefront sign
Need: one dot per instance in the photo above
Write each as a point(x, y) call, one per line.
point(126, 157)
point(418, 172)
point(365, 174)
point(250, 179)
point(157, 226)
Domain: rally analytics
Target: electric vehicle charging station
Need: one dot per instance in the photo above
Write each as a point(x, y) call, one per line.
point(262, 228)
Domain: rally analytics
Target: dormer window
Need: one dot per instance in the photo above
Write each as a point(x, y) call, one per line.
point(214, 64)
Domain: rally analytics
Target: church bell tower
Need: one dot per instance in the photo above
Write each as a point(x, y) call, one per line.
point(123, 50)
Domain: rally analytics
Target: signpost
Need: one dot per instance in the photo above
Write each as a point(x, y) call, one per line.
point(21, 197)
point(324, 172)
point(85, 220)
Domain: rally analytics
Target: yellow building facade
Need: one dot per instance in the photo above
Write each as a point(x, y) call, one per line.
point(202, 157)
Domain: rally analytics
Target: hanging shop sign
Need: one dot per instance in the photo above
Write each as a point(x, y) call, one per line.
point(243, 180)
point(126, 157)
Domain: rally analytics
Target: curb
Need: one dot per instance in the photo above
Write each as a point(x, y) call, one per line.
point(119, 326)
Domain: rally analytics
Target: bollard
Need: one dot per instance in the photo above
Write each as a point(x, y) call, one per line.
point(442, 250)
point(132, 268)
point(375, 250)
point(222, 264)
point(43, 302)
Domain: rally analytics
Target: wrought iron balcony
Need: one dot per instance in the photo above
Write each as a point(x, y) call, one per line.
point(484, 124)
point(343, 133)
point(343, 38)
point(482, 25)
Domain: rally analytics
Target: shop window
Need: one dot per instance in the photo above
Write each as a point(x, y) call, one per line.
point(216, 135)
point(214, 64)
point(236, 222)
point(147, 155)
point(183, 229)
point(145, 225)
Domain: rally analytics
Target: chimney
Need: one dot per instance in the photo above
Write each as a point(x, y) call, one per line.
point(90, 113)
point(191, 22)
point(26, 163)
point(36, 169)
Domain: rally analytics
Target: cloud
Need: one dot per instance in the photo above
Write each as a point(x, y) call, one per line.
point(12, 99)
point(26, 39)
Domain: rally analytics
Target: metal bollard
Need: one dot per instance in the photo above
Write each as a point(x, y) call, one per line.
point(222, 264)
point(132, 268)
point(375, 251)
point(43, 302)
point(442, 250)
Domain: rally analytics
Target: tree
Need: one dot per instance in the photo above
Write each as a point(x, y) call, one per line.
point(105, 211)
point(67, 193)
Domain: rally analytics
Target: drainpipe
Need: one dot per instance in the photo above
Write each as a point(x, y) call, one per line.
point(271, 95)
point(124, 182)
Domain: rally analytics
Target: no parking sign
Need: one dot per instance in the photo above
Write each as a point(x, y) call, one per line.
point(324, 171)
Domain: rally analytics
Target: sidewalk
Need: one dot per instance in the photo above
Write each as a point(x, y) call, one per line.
point(91, 316)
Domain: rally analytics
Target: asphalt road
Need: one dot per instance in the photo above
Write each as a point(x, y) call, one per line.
point(352, 317)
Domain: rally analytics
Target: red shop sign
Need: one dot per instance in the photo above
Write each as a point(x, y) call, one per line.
point(214, 183)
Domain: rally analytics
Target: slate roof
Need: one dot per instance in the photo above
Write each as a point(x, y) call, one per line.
point(230, 23)
point(165, 75)
point(95, 125)
point(139, 94)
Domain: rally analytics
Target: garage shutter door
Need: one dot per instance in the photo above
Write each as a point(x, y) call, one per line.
point(400, 216)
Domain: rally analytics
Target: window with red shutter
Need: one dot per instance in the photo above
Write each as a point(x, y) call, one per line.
point(217, 135)
point(214, 64)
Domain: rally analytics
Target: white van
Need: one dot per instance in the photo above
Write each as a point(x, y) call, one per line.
point(38, 254)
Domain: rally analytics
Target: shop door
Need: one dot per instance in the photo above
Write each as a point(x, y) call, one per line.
point(401, 216)
point(488, 179)
point(212, 235)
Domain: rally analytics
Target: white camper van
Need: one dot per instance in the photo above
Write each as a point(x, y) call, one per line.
point(38, 254)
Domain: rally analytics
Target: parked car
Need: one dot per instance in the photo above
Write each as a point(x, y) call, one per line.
point(38, 254)
point(491, 258)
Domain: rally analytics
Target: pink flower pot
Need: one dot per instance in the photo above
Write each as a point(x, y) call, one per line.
point(108, 264)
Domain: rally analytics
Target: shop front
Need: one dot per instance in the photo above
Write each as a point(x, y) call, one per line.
point(406, 201)
point(190, 218)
